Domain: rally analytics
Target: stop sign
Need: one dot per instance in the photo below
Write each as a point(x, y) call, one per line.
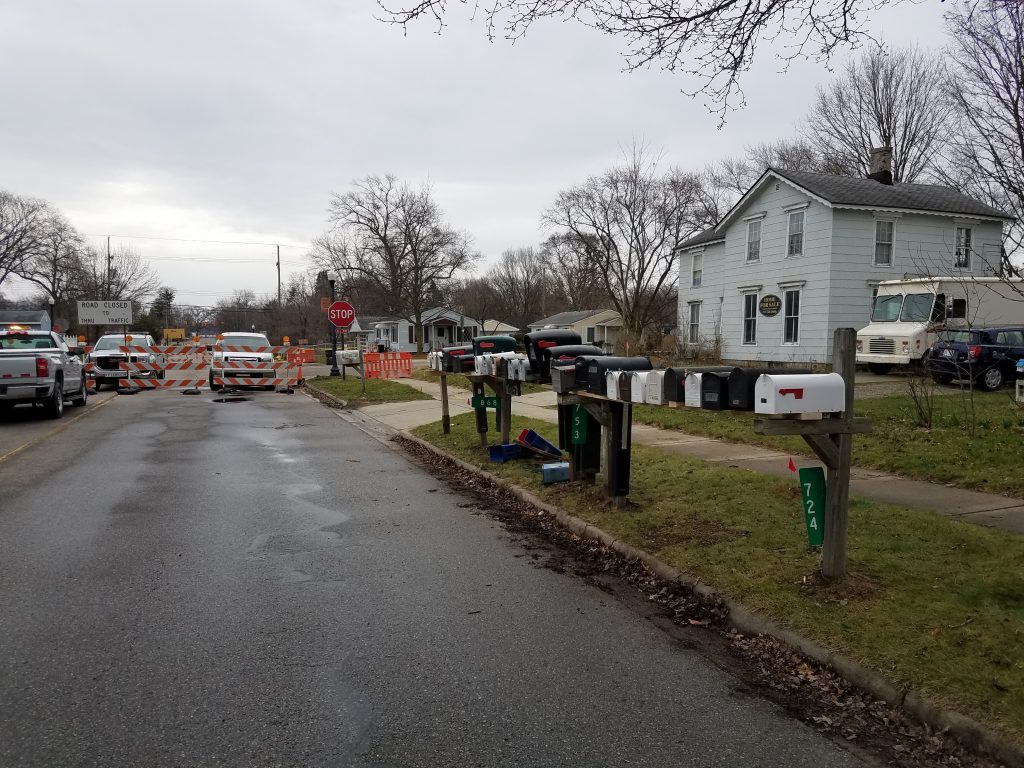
point(341, 314)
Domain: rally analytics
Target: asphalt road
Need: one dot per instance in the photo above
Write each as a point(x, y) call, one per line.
point(186, 583)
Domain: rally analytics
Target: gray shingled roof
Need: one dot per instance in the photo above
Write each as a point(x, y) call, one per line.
point(868, 193)
point(707, 236)
point(567, 318)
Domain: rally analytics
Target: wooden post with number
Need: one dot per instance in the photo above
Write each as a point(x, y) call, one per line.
point(837, 474)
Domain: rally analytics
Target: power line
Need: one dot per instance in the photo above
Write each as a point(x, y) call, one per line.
point(195, 240)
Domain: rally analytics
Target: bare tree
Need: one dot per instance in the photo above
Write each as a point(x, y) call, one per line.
point(121, 276)
point(520, 282)
point(574, 283)
point(628, 221)
point(715, 40)
point(394, 235)
point(23, 228)
point(986, 86)
point(55, 261)
point(886, 97)
point(476, 298)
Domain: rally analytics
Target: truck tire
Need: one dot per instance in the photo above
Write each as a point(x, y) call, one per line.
point(53, 408)
point(879, 369)
point(82, 396)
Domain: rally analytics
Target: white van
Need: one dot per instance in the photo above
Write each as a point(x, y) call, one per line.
point(906, 315)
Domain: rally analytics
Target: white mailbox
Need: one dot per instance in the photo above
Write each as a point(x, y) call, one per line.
point(611, 384)
point(779, 393)
point(432, 361)
point(482, 364)
point(691, 390)
point(655, 387)
point(638, 386)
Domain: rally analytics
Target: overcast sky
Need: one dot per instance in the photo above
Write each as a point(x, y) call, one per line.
point(236, 119)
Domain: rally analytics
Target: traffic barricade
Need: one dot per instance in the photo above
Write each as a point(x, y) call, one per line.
point(387, 365)
point(193, 367)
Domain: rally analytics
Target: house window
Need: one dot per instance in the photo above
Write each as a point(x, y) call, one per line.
point(795, 245)
point(591, 334)
point(750, 318)
point(791, 313)
point(693, 333)
point(412, 336)
point(697, 270)
point(754, 240)
point(962, 258)
point(883, 243)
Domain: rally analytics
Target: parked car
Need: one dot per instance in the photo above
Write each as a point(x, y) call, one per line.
point(988, 356)
point(242, 348)
point(39, 367)
point(106, 357)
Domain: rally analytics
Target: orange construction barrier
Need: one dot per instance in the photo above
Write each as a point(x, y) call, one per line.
point(387, 365)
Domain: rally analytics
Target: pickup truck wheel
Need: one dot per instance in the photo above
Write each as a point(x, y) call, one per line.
point(213, 387)
point(54, 405)
point(992, 379)
point(82, 396)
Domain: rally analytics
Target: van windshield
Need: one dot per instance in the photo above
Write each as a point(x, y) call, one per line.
point(886, 309)
point(917, 307)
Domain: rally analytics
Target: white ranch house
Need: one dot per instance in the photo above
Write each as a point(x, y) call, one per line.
point(800, 255)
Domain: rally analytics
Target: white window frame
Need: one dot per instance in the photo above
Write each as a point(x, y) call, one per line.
point(693, 325)
point(696, 269)
point(786, 316)
point(759, 221)
point(790, 233)
point(753, 318)
point(891, 244)
point(968, 246)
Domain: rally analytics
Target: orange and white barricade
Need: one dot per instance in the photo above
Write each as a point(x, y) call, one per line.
point(191, 367)
point(387, 365)
point(286, 367)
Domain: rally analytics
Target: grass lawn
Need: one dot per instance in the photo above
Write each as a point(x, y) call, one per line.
point(930, 602)
point(946, 453)
point(459, 380)
point(377, 390)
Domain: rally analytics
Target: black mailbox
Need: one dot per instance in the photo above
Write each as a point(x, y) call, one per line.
point(714, 390)
point(567, 354)
point(625, 386)
point(451, 355)
point(675, 378)
point(741, 385)
point(538, 344)
point(487, 345)
point(590, 370)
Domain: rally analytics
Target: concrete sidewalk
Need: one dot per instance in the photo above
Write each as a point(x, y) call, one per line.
point(986, 509)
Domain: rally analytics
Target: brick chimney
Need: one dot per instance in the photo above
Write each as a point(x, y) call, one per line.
point(881, 165)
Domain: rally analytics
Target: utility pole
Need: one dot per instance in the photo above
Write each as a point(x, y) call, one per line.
point(279, 276)
point(110, 260)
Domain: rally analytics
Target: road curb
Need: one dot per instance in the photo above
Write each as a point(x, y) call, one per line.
point(323, 397)
point(967, 730)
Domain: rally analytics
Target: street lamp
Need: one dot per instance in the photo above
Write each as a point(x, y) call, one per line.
point(52, 302)
point(334, 338)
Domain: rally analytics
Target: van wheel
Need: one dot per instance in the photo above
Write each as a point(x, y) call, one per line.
point(879, 369)
point(992, 379)
point(54, 405)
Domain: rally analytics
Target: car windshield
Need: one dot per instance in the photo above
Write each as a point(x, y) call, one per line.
point(113, 342)
point(253, 342)
point(26, 341)
point(917, 307)
point(886, 308)
point(960, 337)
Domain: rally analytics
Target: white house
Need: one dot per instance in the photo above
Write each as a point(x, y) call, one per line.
point(595, 326)
point(441, 328)
point(800, 253)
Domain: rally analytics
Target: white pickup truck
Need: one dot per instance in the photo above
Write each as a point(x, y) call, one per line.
point(241, 356)
point(39, 367)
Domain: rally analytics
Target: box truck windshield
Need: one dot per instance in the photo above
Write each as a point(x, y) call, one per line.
point(912, 308)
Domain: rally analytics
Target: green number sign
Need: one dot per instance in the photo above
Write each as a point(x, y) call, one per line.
point(812, 487)
point(481, 401)
point(579, 425)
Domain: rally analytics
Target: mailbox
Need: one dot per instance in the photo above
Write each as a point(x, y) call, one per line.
point(518, 368)
point(487, 364)
point(691, 389)
point(625, 385)
point(714, 390)
point(611, 384)
point(655, 387)
point(799, 393)
point(638, 386)
point(434, 361)
point(567, 354)
point(742, 381)
point(538, 344)
point(590, 371)
point(488, 345)
point(563, 378)
point(449, 356)
point(674, 379)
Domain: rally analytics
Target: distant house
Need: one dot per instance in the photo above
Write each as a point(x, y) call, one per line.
point(595, 326)
point(497, 328)
point(800, 255)
point(441, 328)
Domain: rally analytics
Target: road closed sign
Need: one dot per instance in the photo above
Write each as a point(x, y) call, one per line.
point(105, 313)
point(341, 314)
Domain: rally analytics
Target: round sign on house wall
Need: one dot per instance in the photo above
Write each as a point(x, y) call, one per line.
point(770, 305)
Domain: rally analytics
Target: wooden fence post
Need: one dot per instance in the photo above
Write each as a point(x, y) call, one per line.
point(837, 483)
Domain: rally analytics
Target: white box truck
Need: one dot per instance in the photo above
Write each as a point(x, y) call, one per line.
point(907, 315)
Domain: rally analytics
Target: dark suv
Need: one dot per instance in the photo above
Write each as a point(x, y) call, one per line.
point(987, 355)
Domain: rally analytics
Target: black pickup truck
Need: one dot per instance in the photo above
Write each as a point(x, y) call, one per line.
point(987, 355)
